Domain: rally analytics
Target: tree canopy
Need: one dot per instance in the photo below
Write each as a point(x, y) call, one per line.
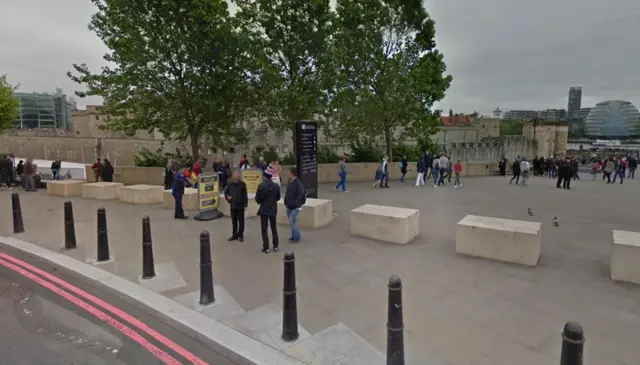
point(9, 105)
point(178, 67)
point(388, 72)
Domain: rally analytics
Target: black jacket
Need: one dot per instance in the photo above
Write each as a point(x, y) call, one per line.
point(294, 195)
point(268, 195)
point(238, 193)
point(107, 173)
point(516, 167)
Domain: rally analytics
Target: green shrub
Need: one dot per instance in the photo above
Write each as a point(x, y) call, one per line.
point(147, 158)
point(364, 151)
point(269, 155)
point(413, 153)
point(288, 159)
point(327, 155)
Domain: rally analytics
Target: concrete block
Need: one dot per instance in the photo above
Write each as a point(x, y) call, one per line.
point(65, 187)
point(389, 224)
point(141, 194)
point(315, 213)
point(252, 209)
point(102, 190)
point(625, 260)
point(189, 200)
point(499, 239)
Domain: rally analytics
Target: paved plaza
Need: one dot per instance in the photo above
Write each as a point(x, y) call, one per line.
point(458, 310)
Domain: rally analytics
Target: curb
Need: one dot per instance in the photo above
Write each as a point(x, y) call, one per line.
point(236, 346)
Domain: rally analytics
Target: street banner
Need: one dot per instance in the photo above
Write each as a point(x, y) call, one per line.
point(207, 192)
point(251, 177)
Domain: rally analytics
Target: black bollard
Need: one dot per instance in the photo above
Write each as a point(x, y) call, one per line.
point(289, 301)
point(148, 268)
point(572, 344)
point(69, 227)
point(103, 238)
point(395, 325)
point(206, 272)
point(18, 226)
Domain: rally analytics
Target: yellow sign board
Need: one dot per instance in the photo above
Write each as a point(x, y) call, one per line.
point(252, 178)
point(207, 192)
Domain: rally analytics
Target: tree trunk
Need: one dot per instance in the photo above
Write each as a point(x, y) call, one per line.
point(195, 145)
point(388, 142)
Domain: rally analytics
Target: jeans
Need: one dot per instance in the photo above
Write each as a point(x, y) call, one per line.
point(179, 212)
point(29, 184)
point(632, 173)
point(292, 214)
point(402, 178)
point(618, 173)
point(457, 182)
point(435, 177)
point(343, 182)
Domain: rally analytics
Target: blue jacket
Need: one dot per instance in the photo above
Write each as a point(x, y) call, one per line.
point(428, 160)
point(379, 174)
point(420, 167)
point(177, 188)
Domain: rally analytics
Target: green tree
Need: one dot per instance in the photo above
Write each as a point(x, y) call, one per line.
point(290, 44)
point(511, 128)
point(9, 105)
point(179, 67)
point(388, 72)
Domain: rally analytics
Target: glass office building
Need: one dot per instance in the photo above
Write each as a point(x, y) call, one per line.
point(614, 119)
point(41, 110)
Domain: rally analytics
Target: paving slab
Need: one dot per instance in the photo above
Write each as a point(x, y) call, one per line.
point(167, 278)
point(224, 306)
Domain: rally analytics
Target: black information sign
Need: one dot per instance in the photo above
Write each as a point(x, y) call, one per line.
point(307, 156)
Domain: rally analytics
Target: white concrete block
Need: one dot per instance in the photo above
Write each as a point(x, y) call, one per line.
point(252, 208)
point(499, 239)
point(65, 187)
point(625, 260)
point(189, 199)
point(141, 194)
point(102, 190)
point(315, 213)
point(389, 224)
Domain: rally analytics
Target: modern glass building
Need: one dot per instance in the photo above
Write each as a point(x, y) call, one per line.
point(42, 110)
point(613, 119)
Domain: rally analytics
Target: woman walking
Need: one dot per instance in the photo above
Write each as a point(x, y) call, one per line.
point(342, 173)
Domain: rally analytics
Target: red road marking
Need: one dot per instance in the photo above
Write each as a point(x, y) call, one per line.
point(118, 312)
point(161, 355)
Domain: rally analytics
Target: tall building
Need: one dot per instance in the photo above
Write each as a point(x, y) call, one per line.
point(613, 119)
point(43, 110)
point(575, 100)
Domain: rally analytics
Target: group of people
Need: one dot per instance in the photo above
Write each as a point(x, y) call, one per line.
point(616, 165)
point(102, 170)
point(235, 193)
point(23, 171)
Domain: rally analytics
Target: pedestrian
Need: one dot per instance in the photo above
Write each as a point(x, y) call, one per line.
point(97, 170)
point(177, 190)
point(562, 171)
point(244, 162)
point(168, 175)
point(20, 170)
point(384, 183)
point(236, 195)
point(342, 174)
point(524, 170)
point(457, 169)
point(107, 171)
point(633, 165)
point(427, 160)
point(196, 169)
point(436, 171)
point(224, 172)
point(608, 169)
point(29, 171)
point(276, 173)
point(267, 196)
point(575, 168)
point(403, 168)
point(294, 199)
point(445, 166)
point(515, 168)
point(6, 172)
point(502, 166)
point(261, 165)
point(378, 176)
point(595, 169)
point(420, 170)
point(619, 170)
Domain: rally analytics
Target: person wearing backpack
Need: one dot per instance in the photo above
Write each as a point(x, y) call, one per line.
point(294, 199)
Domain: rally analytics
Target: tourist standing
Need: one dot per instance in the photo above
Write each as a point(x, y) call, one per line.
point(294, 199)
point(403, 168)
point(177, 190)
point(268, 195)
point(244, 162)
point(276, 173)
point(342, 174)
point(633, 165)
point(516, 171)
point(458, 170)
point(236, 195)
point(420, 171)
point(20, 170)
point(107, 171)
point(29, 171)
point(502, 166)
point(97, 170)
point(6, 172)
point(168, 175)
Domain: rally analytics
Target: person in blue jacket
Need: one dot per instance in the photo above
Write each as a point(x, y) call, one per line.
point(177, 190)
point(420, 170)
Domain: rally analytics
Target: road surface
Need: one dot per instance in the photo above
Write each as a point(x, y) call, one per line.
point(50, 317)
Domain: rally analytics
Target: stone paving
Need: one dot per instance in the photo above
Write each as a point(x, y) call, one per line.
point(458, 310)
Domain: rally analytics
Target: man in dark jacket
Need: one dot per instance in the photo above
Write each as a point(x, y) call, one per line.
point(268, 195)
point(633, 165)
point(236, 194)
point(294, 199)
point(516, 171)
point(177, 190)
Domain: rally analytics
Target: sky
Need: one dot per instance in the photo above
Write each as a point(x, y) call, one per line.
point(511, 54)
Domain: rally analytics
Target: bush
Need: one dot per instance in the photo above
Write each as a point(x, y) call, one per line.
point(288, 159)
point(364, 152)
point(147, 158)
point(413, 153)
point(326, 155)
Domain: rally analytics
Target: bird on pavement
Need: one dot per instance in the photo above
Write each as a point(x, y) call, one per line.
point(530, 212)
point(555, 222)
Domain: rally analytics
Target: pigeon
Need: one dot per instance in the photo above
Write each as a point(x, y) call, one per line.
point(555, 222)
point(530, 212)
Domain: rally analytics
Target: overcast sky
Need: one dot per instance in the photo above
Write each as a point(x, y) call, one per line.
point(512, 54)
